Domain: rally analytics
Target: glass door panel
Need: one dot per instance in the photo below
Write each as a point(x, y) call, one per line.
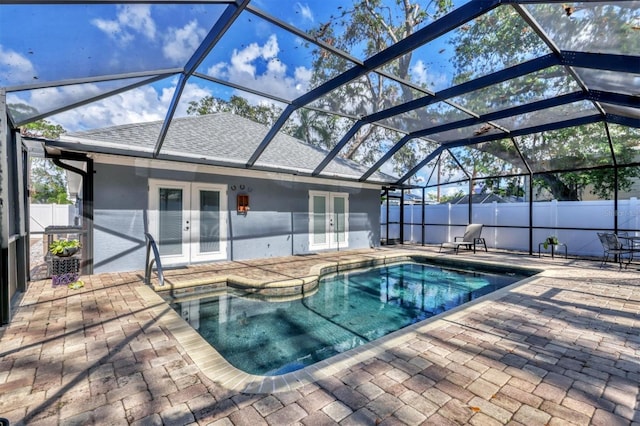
point(209, 221)
point(339, 223)
point(170, 221)
point(319, 220)
point(208, 235)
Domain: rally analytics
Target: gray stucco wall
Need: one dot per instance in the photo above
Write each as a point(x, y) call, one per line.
point(276, 225)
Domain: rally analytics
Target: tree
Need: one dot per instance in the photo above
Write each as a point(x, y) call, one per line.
point(316, 128)
point(502, 38)
point(491, 42)
point(371, 26)
point(42, 129)
point(446, 198)
point(376, 25)
point(48, 181)
point(263, 114)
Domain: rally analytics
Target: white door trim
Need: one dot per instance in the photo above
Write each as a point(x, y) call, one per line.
point(190, 220)
point(330, 239)
point(154, 218)
point(196, 255)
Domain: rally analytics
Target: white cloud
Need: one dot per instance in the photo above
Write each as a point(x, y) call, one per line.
point(15, 68)
point(270, 49)
point(113, 30)
point(48, 99)
point(305, 11)
point(241, 61)
point(303, 76)
point(276, 68)
point(420, 74)
point(181, 43)
point(218, 70)
point(138, 18)
point(130, 20)
point(191, 92)
point(243, 66)
point(139, 105)
point(142, 104)
point(257, 66)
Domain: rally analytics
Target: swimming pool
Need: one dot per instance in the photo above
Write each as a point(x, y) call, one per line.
point(347, 310)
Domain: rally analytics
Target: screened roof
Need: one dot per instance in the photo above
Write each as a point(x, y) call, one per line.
point(390, 87)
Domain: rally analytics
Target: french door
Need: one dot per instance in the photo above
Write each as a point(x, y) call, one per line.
point(188, 221)
point(329, 220)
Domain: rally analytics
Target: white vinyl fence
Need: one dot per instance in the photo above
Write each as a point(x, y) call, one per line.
point(43, 215)
point(596, 215)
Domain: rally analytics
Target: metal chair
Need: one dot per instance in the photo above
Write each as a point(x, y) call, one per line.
point(632, 242)
point(613, 246)
point(469, 240)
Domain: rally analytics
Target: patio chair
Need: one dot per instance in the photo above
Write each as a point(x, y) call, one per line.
point(631, 242)
point(613, 247)
point(469, 240)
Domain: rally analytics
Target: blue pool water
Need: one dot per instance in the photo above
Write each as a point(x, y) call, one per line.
point(348, 310)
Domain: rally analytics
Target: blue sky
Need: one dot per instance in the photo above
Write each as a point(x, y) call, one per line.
point(76, 41)
point(94, 40)
point(46, 43)
point(59, 42)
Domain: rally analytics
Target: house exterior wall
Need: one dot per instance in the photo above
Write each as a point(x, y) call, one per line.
point(277, 223)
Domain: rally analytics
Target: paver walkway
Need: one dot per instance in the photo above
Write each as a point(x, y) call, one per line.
point(563, 348)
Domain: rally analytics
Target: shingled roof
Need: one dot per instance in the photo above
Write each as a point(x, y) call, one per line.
point(220, 139)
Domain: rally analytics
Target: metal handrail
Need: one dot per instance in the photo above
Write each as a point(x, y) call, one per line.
point(151, 245)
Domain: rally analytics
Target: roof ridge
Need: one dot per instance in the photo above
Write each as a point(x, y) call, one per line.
point(143, 124)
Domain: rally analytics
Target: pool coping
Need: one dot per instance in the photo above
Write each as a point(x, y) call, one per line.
point(220, 371)
point(303, 286)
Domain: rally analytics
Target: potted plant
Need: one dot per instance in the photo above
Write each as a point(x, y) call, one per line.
point(551, 240)
point(64, 248)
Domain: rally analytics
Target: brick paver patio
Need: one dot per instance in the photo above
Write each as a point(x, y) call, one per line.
point(562, 348)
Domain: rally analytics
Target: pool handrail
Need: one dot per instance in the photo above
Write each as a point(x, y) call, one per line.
point(148, 264)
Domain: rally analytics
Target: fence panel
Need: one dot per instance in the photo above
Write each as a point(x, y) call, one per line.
point(512, 214)
point(43, 215)
point(437, 213)
point(628, 214)
point(596, 215)
point(583, 214)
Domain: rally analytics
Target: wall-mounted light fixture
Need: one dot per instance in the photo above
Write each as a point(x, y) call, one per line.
point(242, 203)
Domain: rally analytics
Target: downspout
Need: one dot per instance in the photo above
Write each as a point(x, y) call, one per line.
point(530, 213)
point(615, 198)
point(423, 217)
point(615, 179)
point(402, 216)
point(386, 195)
point(87, 207)
point(5, 140)
point(470, 212)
